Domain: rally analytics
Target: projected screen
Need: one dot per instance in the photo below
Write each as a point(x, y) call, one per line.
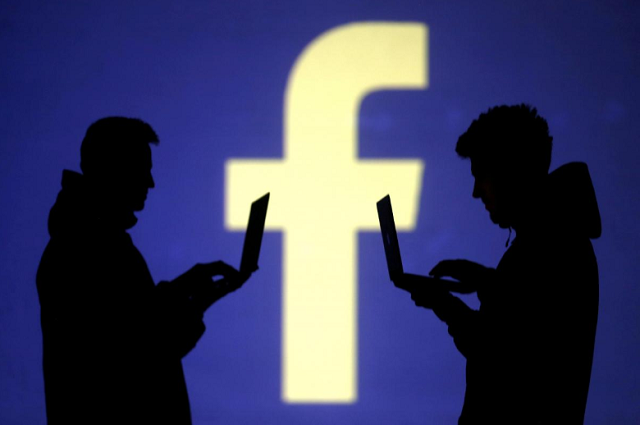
point(329, 106)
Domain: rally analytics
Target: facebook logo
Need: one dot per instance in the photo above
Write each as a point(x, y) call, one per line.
point(322, 194)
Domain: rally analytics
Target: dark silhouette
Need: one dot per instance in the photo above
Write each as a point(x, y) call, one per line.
point(112, 339)
point(529, 348)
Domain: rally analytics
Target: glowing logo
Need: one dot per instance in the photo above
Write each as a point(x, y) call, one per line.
point(322, 195)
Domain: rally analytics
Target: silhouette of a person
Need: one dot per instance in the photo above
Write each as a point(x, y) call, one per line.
point(112, 339)
point(529, 348)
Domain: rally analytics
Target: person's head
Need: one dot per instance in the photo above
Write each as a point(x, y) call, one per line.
point(115, 157)
point(510, 152)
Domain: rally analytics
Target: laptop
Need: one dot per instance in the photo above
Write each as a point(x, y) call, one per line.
point(250, 254)
point(390, 238)
point(394, 260)
point(253, 237)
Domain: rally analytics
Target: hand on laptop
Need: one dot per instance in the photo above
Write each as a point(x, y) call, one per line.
point(465, 271)
point(435, 294)
point(198, 282)
point(429, 296)
point(201, 275)
point(409, 281)
point(413, 282)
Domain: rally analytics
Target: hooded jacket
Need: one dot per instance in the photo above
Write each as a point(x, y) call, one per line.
point(529, 348)
point(112, 339)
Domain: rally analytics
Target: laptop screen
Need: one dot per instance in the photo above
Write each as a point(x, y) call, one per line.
point(389, 237)
point(253, 237)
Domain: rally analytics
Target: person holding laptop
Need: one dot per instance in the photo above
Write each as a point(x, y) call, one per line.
point(112, 339)
point(529, 348)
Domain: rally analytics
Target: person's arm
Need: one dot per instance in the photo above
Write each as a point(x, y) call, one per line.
point(431, 292)
point(176, 321)
point(462, 321)
point(199, 286)
point(179, 305)
point(409, 282)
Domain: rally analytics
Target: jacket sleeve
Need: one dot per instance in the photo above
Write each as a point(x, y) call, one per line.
point(463, 322)
point(178, 320)
point(105, 299)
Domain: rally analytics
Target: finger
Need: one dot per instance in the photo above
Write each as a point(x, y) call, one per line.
point(418, 296)
point(443, 268)
point(420, 302)
point(218, 268)
point(402, 284)
point(224, 286)
point(243, 276)
point(457, 269)
point(236, 281)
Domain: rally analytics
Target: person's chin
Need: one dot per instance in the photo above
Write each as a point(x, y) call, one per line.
point(138, 207)
point(503, 224)
point(496, 219)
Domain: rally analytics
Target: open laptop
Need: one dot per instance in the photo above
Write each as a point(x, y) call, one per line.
point(390, 238)
point(394, 260)
point(253, 237)
point(250, 254)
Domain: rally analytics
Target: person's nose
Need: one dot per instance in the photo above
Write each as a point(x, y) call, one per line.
point(150, 183)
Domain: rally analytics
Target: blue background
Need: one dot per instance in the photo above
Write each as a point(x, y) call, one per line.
point(210, 78)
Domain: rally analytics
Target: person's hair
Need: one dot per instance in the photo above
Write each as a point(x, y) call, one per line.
point(111, 141)
point(511, 140)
